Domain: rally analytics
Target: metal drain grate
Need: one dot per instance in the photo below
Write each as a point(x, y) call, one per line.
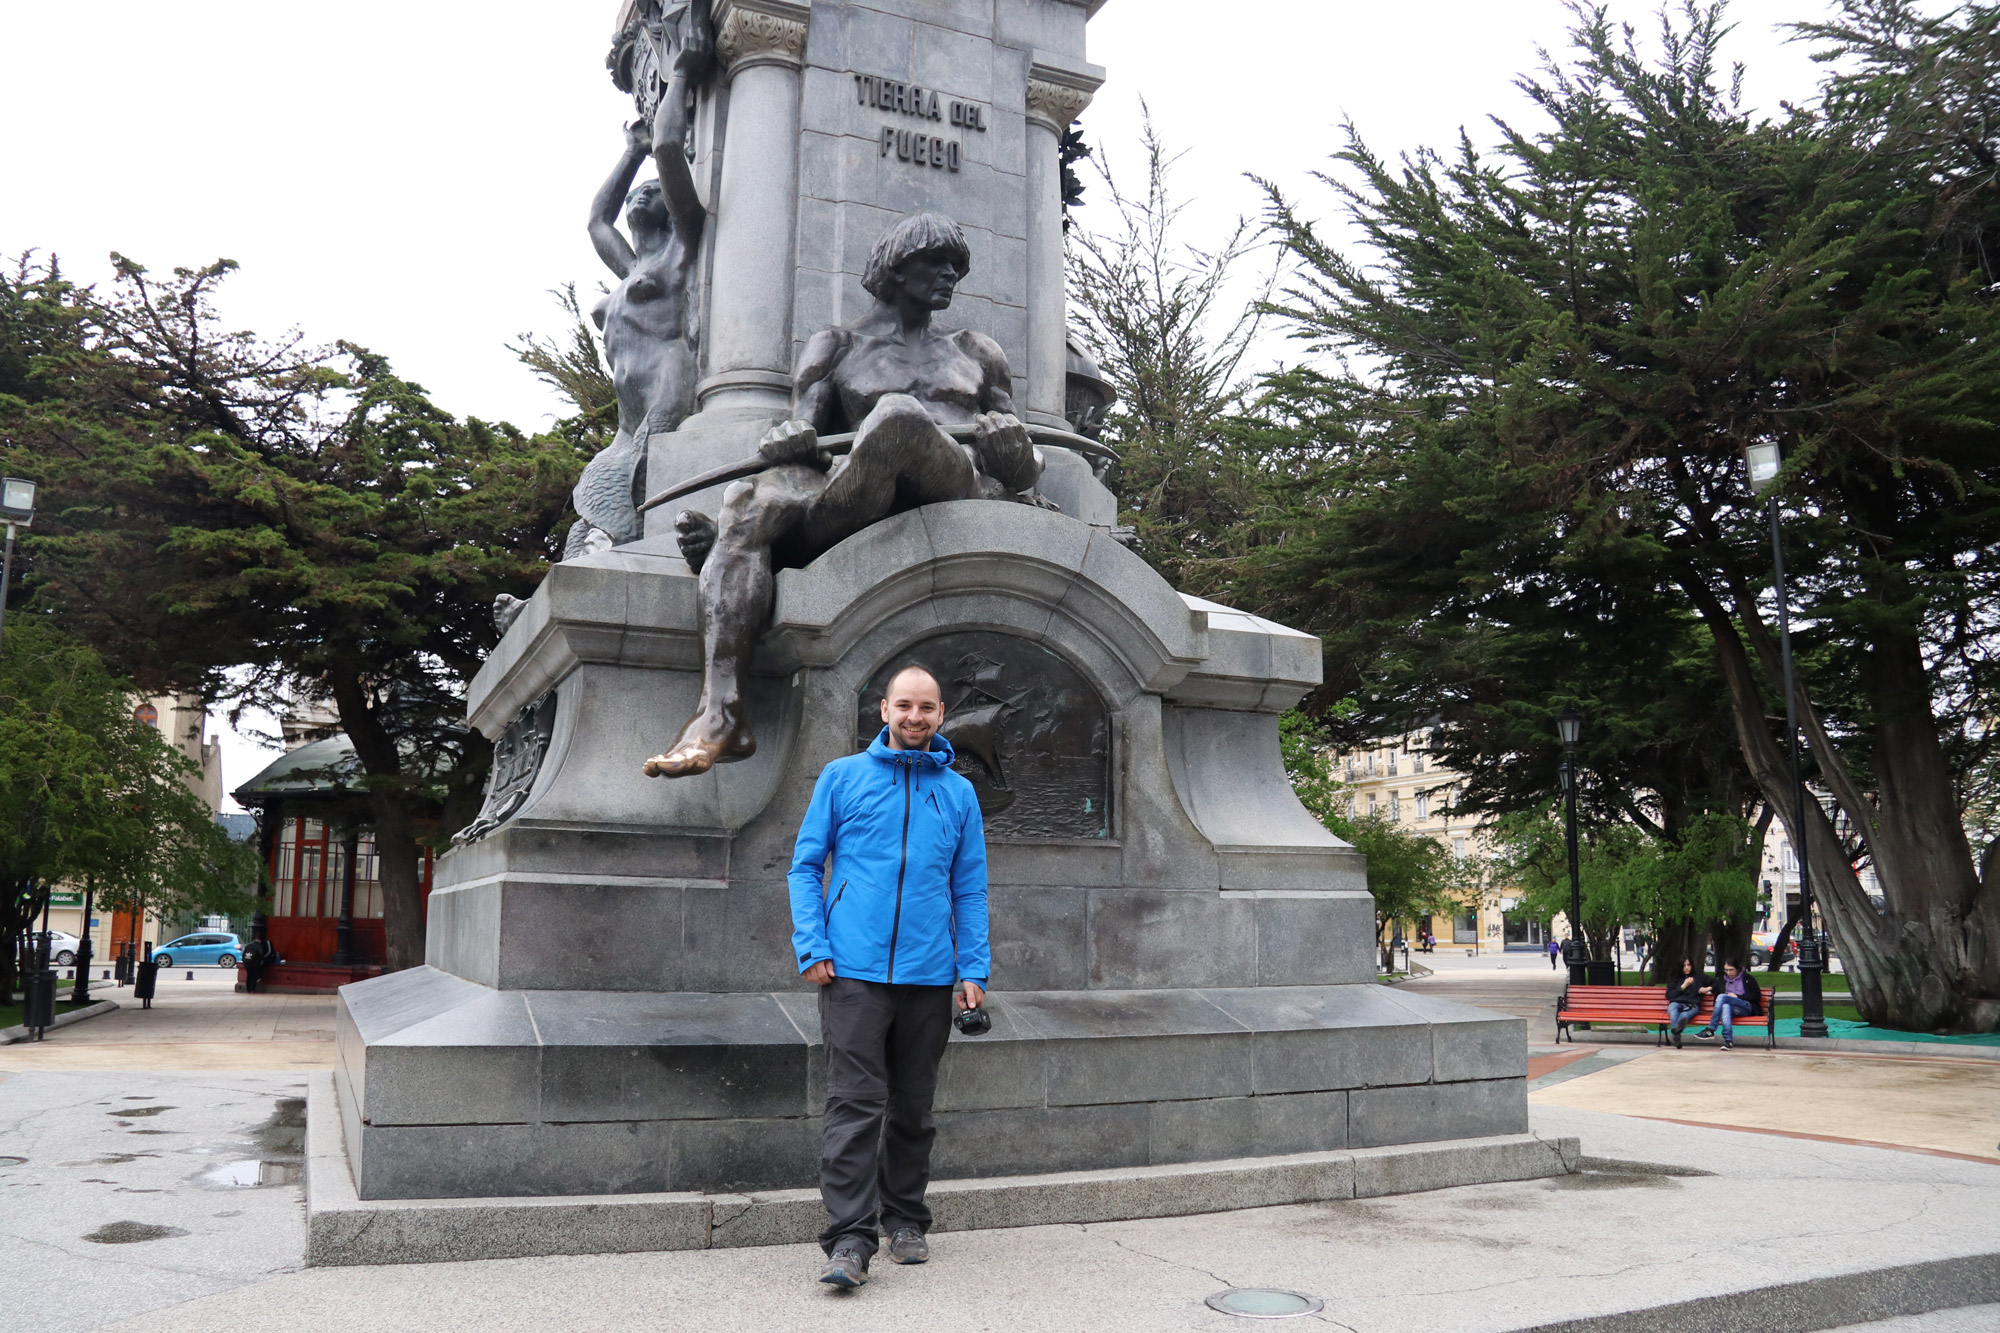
point(1264, 1303)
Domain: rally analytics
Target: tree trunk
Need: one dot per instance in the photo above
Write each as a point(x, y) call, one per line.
point(1677, 940)
point(1732, 941)
point(389, 799)
point(400, 858)
point(1908, 969)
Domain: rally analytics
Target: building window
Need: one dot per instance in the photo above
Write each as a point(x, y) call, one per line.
point(1395, 808)
point(1458, 848)
point(311, 863)
point(1370, 770)
point(1416, 761)
point(1392, 763)
point(1371, 805)
point(1353, 770)
point(148, 714)
point(1423, 805)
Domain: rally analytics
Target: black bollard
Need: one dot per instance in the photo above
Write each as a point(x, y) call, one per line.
point(147, 978)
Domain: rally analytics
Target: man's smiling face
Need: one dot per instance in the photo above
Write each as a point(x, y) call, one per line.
point(912, 709)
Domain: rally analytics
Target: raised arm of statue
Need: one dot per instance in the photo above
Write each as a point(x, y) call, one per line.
point(670, 124)
point(612, 247)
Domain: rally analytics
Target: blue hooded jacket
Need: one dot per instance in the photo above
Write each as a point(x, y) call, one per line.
point(904, 896)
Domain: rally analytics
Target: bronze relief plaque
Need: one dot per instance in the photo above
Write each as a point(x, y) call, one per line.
point(1031, 734)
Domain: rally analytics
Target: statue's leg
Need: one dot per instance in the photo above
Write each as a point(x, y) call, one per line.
point(898, 450)
point(737, 583)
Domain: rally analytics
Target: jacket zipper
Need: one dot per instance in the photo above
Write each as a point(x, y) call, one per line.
point(827, 920)
point(902, 865)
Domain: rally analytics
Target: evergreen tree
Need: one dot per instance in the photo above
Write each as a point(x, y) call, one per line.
point(262, 520)
point(1566, 348)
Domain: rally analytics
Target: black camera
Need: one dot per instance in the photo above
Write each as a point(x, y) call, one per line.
point(972, 1022)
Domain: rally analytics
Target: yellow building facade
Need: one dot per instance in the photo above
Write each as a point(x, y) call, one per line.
point(1395, 778)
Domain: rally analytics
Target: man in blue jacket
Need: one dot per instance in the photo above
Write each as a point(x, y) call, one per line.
point(888, 887)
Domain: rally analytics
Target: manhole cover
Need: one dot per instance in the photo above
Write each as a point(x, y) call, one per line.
point(1264, 1303)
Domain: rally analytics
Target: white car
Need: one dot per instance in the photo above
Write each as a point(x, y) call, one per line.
point(62, 947)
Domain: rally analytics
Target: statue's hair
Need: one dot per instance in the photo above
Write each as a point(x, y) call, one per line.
point(914, 235)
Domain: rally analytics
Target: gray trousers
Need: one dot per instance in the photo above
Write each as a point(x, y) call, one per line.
point(883, 1044)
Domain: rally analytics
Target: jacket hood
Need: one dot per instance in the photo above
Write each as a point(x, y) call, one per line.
point(940, 753)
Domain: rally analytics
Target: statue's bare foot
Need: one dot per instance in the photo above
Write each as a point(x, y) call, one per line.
point(695, 531)
point(707, 740)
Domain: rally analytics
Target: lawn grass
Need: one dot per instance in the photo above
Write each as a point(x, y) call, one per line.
point(1787, 983)
point(11, 1014)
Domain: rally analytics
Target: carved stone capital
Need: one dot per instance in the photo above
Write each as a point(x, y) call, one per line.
point(1054, 105)
point(761, 32)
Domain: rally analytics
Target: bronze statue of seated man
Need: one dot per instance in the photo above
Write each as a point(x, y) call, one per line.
point(892, 377)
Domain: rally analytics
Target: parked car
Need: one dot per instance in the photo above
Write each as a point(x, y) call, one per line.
point(62, 946)
point(193, 950)
point(1761, 944)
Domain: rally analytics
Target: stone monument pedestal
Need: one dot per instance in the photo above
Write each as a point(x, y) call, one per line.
point(1183, 957)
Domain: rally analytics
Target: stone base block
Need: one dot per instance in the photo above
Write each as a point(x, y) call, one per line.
point(344, 1229)
point(452, 1089)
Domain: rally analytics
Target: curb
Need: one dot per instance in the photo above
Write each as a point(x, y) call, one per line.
point(342, 1229)
point(1815, 1303)
point(8, 1036)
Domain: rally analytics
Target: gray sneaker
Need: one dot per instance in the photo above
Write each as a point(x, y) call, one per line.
point(908, 1246)
point(847, 1266)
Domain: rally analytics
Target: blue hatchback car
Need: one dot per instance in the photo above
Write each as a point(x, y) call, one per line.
point(208, 946)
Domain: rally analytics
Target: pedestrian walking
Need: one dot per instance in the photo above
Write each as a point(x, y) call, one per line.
point(1554, 948)
point(258, 955)
point(888, 892)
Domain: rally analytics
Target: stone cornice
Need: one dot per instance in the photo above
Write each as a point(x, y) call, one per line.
point(1059, 90)
point(761, 32)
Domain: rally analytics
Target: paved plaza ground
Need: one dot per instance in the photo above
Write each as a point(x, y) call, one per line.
point(158, 1152)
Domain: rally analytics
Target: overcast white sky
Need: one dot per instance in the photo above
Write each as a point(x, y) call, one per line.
point(414, 175)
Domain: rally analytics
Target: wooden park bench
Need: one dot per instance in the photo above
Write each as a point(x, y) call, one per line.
point(1646, 1006)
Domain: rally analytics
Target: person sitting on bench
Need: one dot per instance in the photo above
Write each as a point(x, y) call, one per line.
point(1740, 995)
point(1684, 994)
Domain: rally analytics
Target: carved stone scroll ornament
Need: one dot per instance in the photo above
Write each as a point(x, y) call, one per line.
point(745, 35)
point(517, 762)
point(1054, 105)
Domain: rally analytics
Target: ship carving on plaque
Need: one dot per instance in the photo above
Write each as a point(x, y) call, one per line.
point(1031, 734)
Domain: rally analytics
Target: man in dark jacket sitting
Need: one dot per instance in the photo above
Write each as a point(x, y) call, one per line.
point(1740, 995)
point(898, 917)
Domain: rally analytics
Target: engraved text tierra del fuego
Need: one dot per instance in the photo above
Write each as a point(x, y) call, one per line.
point(894, 97)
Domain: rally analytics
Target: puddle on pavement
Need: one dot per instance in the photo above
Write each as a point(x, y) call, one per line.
point(131, 1233)
point(134, 1112)
point(249, 1174)
point(6, 1162)
point(1612, 1180)
point(281, 1141)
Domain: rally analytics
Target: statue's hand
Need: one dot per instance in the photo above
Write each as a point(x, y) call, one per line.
point(1005, 451)
point(793, 442)
point(639, 137)
point(695, 533)
point(692, 58)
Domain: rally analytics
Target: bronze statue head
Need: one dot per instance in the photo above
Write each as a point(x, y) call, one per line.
point(918, 235)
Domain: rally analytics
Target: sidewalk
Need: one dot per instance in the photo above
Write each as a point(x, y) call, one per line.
point(1859, 1231)
point(199, 1024)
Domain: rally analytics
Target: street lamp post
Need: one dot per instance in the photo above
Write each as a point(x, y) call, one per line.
point(1764, 463)
point(17, 509)
point(1569, 727)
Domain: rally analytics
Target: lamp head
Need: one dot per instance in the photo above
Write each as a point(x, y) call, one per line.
point(1764, 462)
point(1569, 726)
point(17, 500)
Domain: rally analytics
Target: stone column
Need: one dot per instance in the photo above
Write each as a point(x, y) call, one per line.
point(749, 336)
point(1057, 95)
